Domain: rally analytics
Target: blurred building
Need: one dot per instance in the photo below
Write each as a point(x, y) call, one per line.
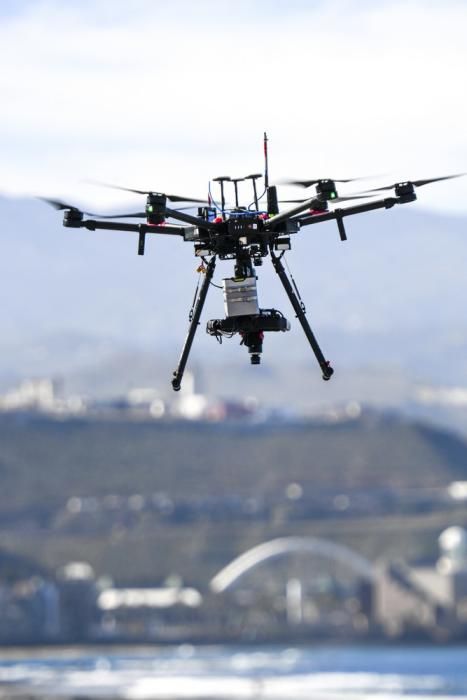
point(166, 612)
point(430, 598)
point(42, 396)
point(289, 588)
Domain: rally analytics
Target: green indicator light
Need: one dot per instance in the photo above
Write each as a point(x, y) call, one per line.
point(333, 195)
point(150, 209)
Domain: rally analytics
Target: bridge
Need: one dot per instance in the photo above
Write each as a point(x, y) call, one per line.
point(313, 581)
point(286, 546)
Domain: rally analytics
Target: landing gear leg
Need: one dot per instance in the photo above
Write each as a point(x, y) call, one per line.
point(194, 322)
point(299, 309)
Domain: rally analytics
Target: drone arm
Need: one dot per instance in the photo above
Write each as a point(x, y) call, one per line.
point(289, 213)
point(188, 219)
point(140, 229)
point(339, 214)
point(93, 225)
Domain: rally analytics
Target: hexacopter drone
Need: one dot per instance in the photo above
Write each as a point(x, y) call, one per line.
point(246, 235)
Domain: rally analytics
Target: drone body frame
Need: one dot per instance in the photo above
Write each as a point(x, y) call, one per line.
point(245, 235)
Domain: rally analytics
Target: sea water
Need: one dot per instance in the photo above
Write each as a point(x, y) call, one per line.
point(218, 672)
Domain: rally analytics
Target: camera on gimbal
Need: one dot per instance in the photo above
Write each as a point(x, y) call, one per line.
point(244, 316)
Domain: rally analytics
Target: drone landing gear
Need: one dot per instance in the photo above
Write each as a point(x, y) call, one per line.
point(250, 326)
point(194, 322)
point(299, 309)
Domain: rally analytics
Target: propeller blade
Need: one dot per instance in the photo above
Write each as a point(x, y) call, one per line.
point(120, 187)
point(331, 201)
point(61, 206)
point(135, 215)
point(192, 206)
point(58, 204)
point(308, 183)
point(170, 197)
point(417, 183)
point(420, 183)
point(179, 198)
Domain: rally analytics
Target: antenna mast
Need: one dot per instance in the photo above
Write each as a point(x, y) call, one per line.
point(273, 204)
point(266, 169)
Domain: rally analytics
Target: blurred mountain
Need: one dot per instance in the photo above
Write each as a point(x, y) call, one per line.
point(187, 498)
point(43, 462)
point(80, 303)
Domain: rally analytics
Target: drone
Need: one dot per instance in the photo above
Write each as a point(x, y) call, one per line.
point(245, 234)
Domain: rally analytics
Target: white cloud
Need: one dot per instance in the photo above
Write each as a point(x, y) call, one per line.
point(168, 95)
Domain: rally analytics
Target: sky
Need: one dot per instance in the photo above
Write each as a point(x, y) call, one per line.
point(165, 96)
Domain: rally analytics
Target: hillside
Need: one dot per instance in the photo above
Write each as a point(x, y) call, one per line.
point(44, 462)
point(142, 500)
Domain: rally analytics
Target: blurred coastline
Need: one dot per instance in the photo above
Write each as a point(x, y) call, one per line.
point(186, 671)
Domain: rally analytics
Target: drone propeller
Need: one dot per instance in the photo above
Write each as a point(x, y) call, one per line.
point(416, 183)
point(335, 199)
point(308, 183)
point(170, 197)
point(57, 204)
point(61, 206)
point(134, 215)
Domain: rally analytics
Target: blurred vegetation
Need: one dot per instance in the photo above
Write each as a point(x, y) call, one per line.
point(44, 463)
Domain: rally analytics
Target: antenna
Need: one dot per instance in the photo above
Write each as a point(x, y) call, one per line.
point(235, 181)
point(253, 179)
point(266, 169)
point(221, 180)
point(273, 204)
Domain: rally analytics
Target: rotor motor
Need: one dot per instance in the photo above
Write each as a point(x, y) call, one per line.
point(155, 208)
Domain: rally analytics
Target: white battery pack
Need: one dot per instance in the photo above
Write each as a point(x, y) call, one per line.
point(240, 296)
